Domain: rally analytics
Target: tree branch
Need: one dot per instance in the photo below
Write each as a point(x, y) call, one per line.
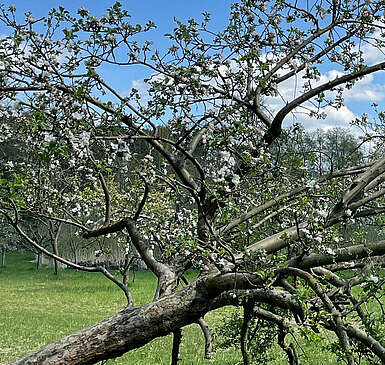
point(276, 126)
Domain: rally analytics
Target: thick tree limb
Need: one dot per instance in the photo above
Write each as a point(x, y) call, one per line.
point(354, 170)
point(129, 329)
point(134, 327)
point(367, 340)
point(209, 349)
point(341, 255)
point(163, 272)
point(112, 228)
point(279, 240)
point(276, 126)
point(353, 196)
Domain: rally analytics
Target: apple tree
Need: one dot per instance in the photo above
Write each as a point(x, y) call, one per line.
point(190, 169)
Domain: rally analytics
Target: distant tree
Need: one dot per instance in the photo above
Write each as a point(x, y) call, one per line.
point(9, 240)
point(335, 149)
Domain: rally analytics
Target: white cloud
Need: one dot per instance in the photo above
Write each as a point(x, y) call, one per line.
point(343, 115)
point(372, 53)
point(334, 118)
point(366, 91)
point(360, 96)
point(142, 88)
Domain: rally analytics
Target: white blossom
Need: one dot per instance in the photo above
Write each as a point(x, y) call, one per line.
point(330, 251)
point(77, 116)
point(85, 138)
point(48, 137)
point(374, 279)
point(236, 179)
point(30, 19)
point(310, 184)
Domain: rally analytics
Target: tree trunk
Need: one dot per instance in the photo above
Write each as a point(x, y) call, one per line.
point(38, 260)
point(55, 263)
point(54, 230)
point(76, 260)
point(134, 327)
point(247, 316)
point(128, 257)
point(209, 349)
point(177, 340)
point(3, 256)
point(129, 329)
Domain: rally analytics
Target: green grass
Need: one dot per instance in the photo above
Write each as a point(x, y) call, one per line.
point(37, 308)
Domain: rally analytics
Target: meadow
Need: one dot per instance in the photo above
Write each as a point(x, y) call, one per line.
point(37, 308)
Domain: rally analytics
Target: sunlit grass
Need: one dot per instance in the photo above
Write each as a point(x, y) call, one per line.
point(37, 308)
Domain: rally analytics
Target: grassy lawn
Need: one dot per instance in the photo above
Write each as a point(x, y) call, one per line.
point(38, 308)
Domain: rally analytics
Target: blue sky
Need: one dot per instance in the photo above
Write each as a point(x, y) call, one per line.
point(359, 99)
point(161, 12)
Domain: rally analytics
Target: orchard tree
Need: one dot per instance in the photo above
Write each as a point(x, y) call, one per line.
point(333, 149)
point(190, 172)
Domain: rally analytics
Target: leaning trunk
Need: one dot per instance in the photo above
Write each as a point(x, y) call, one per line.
point(129, 329)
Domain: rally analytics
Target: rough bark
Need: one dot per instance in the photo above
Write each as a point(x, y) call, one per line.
point(247, 316)
point(341, 255)
point(177, 340)
point(209, 349)
point(134, 327)
point(129, 329)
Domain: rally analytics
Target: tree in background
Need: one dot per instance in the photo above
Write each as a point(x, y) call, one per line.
point(217, 191)
point(335, 149)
